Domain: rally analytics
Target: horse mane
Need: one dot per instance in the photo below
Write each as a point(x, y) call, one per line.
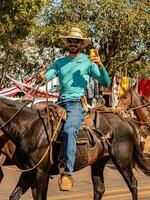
point(8, 102)
point(137, 94)
point(17, 105)
point(22, 106)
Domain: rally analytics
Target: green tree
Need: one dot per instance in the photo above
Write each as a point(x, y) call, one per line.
point(17, 21)
point(120, 29)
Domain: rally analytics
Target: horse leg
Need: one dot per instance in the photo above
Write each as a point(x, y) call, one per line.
point(34, 191)
point(24, 183)
point(1, 174)
point(128, 176)
point(2, 160)
point(98, 178)
point(39, 188)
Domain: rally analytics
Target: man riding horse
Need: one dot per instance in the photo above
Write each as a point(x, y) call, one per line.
point(73, 72)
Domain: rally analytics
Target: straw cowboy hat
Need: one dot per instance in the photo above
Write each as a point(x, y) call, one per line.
point(76, 33)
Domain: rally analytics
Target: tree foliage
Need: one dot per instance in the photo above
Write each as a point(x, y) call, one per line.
point(17, 21)
point(17, 18)
point(119, 29)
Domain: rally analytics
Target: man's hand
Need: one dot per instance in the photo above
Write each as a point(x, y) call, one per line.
point(96, 59)
point(44, 68)
point(40, 76)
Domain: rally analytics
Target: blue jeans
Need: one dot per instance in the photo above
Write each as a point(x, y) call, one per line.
point(75, 116)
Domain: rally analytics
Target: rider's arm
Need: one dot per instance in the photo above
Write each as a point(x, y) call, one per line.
point(51, 73)
point(98, 71)
point(100, 74)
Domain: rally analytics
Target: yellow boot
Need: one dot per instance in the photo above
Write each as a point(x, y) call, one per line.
point(65, 183)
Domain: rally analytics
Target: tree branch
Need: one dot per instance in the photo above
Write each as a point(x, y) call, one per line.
point(137, 59)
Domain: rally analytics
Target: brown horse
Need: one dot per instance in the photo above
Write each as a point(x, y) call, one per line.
point(131, 101)
point(29, 131)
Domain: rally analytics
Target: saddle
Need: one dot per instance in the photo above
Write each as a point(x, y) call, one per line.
point(91, 121)
point(93, 135)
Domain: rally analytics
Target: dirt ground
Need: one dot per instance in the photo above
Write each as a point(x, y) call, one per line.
point(116, 189)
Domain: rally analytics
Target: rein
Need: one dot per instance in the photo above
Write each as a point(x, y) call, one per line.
point(48, 148)
point(21, 106)
point(145, 105)
point(139, 122)
point(23, 170)
point(13, 115)
point(27, 170)
point(50, 140)
point(137, 107)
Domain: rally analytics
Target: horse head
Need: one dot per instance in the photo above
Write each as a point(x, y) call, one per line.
point(132, 100)
point(127, 100)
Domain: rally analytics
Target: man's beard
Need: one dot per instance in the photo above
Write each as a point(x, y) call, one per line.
point(77, 50)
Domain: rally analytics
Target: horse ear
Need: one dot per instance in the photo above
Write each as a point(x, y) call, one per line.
point(124, 89)
point(132, 88)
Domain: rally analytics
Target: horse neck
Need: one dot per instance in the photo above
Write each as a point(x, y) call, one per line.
point(124, 103)
point(146, 102)
point(142, 112)
point(15, 127)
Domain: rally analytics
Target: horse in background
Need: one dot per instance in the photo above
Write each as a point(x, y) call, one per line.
point(7, 150)
point(131, 102)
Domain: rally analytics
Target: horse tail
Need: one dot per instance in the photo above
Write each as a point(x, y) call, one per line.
point(139, 159)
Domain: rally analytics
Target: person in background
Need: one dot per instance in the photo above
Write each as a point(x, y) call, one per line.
point(74, 72)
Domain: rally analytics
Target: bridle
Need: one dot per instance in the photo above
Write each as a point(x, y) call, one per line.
point(136, 107)
point(142, 106)
point(131, 106)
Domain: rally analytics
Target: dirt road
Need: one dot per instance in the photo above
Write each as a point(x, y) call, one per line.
point(115, 186)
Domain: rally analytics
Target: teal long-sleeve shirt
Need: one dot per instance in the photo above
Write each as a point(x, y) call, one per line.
point(74, 73)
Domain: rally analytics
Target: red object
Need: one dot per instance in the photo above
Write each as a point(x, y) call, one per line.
point(144, 88)
point(27, 89)
point(11, 91)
